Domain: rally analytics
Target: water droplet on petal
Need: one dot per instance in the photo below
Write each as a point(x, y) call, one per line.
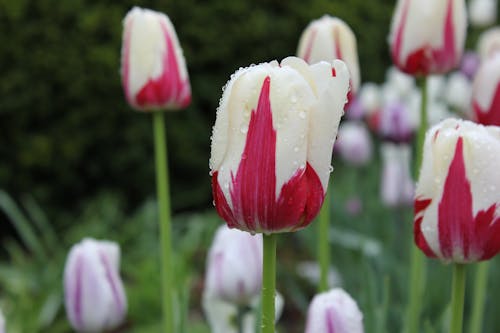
point(244, 129)
point(296, 149)
point(330, 168)
point(293, 99)
point(302, 115)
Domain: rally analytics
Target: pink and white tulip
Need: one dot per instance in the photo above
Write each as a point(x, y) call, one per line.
point(428, 36)
point(486, 92)
point(154, 74)
point(272, 143)
point(329, 38)
point(94, 296)
point(234, 266)
point(334, 312)
point(457, 203)
point(396, 123)
point(354, 143)
point(397, 187)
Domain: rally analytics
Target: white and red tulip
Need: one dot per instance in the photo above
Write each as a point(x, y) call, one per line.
point(457, 203)
point(234, 266)
point(486, 92)
point(272, 143)
point(428, 36)
point(94, 296)
point(354, 143)
point(154, 74)
point(329, 38)
point(482, 13)
point(334, 312)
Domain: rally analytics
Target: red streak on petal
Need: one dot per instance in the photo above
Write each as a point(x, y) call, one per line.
point(419, 207)
point(169, 88)
point(336, 43)
point(330, 317)
point(254, 205)
point(492, 115)
point(398, 39)
point(458, 228)
point(309, 46)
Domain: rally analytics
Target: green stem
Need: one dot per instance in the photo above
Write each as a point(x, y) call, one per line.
point(268, 283)
point(163, 193)
point(457, 298)
point(480, 284)
point(417, 264)
point(323, 243)
point(240, 316)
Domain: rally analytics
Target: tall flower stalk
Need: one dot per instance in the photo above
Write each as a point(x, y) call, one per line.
point(324, 244)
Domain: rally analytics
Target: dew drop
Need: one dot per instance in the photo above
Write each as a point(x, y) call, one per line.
point(226, 185)
point(293, 99)
point(493, 188)
point(302, 115)
point(213, 203)
point(330, 168)
point(244, 156)
point(244, 129)
point(211, 173)
point(296, 149)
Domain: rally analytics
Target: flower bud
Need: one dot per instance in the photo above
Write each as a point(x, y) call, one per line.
point(482, 13)
point(272, 143)
point(94, 296)
point(354, 143)
point(334, 311)
point(154, 74)
point(486, 92)
point(489, 43)
point(428, 36)
point(234, 266)
point(396, 183)
point(330, 38)
point(457, 196)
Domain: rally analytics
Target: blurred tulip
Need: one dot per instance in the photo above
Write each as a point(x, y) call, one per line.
point(154, 74)
point(458, 93)
point(395, 123)
point(356, 110)
point(457, 196)
point(330, 38)
point(489, 43)
point(272, 143)
point(486, 92)
point(370, 97)
point(94, 295)
point(334, 311)
point(354, 143)
point(2, 322)
point(400, 82)
point(470, 64)
point(396, 183)
point(221, 315)
point(428, 36)
point(482, 13)
point(234, 266)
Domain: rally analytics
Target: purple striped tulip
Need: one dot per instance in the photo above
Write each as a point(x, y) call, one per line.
point(334, 312)
point(94, 296)
point(234, 268)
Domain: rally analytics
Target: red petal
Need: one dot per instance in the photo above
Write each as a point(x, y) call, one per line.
point(419, 207)
point(492, 115)
point(169, 88)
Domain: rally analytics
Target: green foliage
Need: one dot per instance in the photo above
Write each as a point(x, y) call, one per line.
point(65, 128)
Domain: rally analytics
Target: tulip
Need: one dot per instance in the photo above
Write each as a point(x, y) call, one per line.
point(482, 13)
point(234, 266)
point(272, 143)
point(370, 97)
point(331, 38)
point(470, 64)
point(354, 143)
point(94, 296)
point(428, 36)
point(458, 92)
point(396, 123)
point(2, 322)
point(400, 82)
point(486, 92)
point(396, 184)
point(489, 43)
point(154, 74)
point(457, 197)
point(334, 311)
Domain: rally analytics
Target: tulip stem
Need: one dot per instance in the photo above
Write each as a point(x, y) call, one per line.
point(268, 283)
point(163, 193)
point(417, 261)
point(480, 284)
point(323, 243)
point(457, 298)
